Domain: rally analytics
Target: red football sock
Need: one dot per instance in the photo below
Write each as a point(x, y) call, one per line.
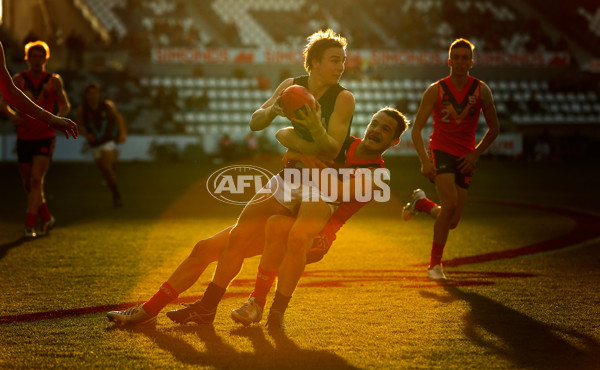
point(44, 212)
point(30, 219)
point(262, 286)
point(163, 297)
point(424, 205)
point(437, 251)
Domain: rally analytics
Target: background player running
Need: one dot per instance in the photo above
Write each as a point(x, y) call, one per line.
point(456, 102)
point(103, 127)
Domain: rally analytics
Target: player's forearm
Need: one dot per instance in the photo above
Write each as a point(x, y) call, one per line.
point(121, 124)
point(419, 144)
point(261, 119)
point(6, 110)
point(63, 109)
point(324, 144)
point(486, 141)
point(20, 101)
point(288, 138)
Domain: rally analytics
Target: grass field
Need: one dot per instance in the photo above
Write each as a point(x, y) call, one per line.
point(523, 268)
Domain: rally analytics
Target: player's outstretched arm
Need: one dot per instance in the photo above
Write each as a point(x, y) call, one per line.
point(15, 97)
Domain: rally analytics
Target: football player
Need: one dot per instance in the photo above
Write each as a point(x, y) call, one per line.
point(211, 249)
point(456, 102)
point(35, 126)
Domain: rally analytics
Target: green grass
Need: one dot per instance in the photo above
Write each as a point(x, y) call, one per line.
point(366, 305)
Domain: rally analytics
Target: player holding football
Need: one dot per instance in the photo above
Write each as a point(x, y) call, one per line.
point(35, 128)
point(103, 127)
point(366, 152)
point(323, 131)
point(328, 128)
point(456, 102)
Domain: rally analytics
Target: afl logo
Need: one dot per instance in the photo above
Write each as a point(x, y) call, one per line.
point(239, 184)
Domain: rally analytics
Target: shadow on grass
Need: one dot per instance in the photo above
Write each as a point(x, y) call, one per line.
point(219, 354)
point(5, 247)
point(524, 341)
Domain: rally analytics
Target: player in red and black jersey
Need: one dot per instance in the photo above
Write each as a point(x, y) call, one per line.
point(103, 127)
point(35, 138)
point(456, 102)
point(17, 99)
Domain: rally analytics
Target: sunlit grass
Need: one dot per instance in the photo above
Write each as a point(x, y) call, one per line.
point(365, 305)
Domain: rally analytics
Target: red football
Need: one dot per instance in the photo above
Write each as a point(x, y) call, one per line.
point(295, 98)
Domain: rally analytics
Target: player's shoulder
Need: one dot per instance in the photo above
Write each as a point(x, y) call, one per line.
point(432, 90)
point(55, 76)
point(346, 97)
point(485, 89)
point(482, 84)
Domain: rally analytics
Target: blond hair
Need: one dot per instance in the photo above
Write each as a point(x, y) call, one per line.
point(37, 45)
point(318, 42)
point(461, 43)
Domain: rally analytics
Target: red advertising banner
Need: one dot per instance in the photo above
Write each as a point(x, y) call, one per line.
point(373, 57)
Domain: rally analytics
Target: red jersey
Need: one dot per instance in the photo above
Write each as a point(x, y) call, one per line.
point(455, 117)
point(347, 209)
point(42, 93)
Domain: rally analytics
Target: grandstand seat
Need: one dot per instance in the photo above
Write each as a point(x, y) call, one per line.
point(408, 84)
point(189, 117)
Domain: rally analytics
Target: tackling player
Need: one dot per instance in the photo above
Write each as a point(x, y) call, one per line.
point(383, 132)
point(456, 102)
point(35, 129)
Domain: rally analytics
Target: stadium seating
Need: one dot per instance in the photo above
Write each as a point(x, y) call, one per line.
point(104, 10)
point(232, 101)
point(225, 102)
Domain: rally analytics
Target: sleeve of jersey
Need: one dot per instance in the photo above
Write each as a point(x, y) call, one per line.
point(347, 209)
point(339, 218)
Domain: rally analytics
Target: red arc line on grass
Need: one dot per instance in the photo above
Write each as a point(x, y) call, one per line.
point(60, 314)
point(327, 279)
point(586, 228)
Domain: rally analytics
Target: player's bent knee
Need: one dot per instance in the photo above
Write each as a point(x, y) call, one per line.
point(35, 182)
point(205, 251)
point(449, 208)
